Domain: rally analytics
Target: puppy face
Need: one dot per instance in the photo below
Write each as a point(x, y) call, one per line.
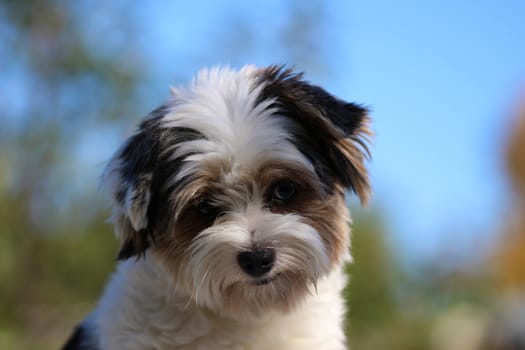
point(237, 186)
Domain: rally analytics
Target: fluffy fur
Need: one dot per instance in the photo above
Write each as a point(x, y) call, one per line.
point(229, 204)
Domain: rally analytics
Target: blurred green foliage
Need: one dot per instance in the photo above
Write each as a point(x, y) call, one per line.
point(56, 249)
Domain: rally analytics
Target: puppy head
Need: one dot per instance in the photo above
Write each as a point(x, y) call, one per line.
point(236, 185)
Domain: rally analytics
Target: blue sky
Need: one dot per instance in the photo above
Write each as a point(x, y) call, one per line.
point(440, 77)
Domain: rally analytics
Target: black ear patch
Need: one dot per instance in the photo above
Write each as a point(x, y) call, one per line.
point(128, 177)
point(332, 133)
point(136, 178)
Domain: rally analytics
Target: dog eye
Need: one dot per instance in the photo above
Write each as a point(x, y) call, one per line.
point(207, 209)
point(284, 190)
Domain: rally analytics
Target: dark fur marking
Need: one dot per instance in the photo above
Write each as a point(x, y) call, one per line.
point(79, 340)
point(289, 87)
point(145, 168)
point(325, 127)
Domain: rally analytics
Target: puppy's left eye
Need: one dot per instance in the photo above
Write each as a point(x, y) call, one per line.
point(207, 209)
point(284, 190)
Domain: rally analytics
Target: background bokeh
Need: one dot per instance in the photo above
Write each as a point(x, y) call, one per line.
point(440, 252)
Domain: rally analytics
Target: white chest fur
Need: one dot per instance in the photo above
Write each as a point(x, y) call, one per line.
point(137, 312)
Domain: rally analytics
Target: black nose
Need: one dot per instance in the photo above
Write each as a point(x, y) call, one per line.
point(256, 262)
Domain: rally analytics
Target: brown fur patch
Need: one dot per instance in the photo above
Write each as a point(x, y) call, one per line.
point(329, 216)
point(272, 172)
point(172, 245)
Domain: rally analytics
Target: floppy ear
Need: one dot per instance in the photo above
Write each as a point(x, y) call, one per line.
point(127, 179)
point(332, 133)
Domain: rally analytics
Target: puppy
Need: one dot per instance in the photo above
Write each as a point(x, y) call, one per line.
point(229, 205)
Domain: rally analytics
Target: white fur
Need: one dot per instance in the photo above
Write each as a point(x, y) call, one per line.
point(221, 104)
point(140, 310)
